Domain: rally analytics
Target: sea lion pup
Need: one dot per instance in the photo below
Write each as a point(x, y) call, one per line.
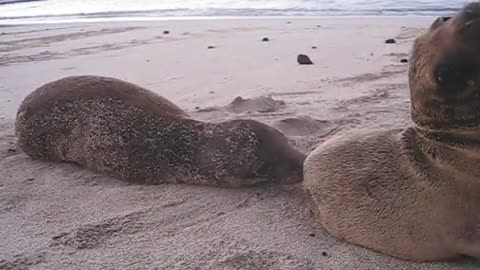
point(413, 193)
point(125, 131)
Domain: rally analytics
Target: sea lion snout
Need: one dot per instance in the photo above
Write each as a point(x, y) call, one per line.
point(287, 166)
point(276, 160)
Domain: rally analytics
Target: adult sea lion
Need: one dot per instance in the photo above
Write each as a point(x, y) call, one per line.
point(414, 192)
point(128, 132)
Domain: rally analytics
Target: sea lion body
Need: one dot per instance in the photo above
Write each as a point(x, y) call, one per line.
point(413, 192)
point(128, 132)
point(398, 193)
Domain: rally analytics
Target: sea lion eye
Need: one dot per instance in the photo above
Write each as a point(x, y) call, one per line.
point(454, 77)
point(439, 21)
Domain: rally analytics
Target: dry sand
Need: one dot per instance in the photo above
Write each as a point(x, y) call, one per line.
point(58, 216)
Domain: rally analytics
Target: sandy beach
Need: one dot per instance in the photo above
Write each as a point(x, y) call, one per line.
point(60, 216)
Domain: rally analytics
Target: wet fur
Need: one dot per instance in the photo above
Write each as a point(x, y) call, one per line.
point(414, 192)
point(125, 131)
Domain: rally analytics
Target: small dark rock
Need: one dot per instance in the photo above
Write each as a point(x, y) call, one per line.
point(303, 59)
point(289, 22)
point(390, 41)
point(166, 32)
point(404, 60)
point(312, 234)
point(148, 60)
point(197, 108)
point(11, 150)
point(220, 213)
point(318, 25)
point(265, 39)
point(212, 92)
point(324, 254)
point(314, 47)
point(211, 47)
point(30, 179)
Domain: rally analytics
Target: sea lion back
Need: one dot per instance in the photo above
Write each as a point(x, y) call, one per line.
point(52, 113)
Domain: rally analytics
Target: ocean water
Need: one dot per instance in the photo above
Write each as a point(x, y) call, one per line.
point(75, 10)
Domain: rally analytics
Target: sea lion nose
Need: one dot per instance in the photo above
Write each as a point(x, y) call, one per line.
point(472, 14)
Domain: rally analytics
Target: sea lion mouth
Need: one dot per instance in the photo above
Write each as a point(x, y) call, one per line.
point(448, 116)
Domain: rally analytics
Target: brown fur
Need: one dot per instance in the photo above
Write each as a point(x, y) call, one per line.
point(413, 193)
point(125, 131)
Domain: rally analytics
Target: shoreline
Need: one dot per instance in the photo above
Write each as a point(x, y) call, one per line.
point(21, 22)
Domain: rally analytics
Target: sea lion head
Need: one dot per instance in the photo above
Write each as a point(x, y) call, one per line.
point(251, 153)
point(444, 73)
point(276, 159)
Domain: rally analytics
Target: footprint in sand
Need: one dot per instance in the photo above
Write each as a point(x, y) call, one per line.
point(262, 104)
point(89, 236)
point(305, 126)
point(259, 104)
point(263, 259)
point(23, 261)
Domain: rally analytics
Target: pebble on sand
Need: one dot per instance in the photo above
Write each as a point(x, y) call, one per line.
point(314, 47)
point(303, 59)
point(404, 60)
point(265, 39)
point(390, 41)
point(211, 47)
point(166, 32)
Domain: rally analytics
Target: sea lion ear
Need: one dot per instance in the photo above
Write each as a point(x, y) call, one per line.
point(439, 21)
